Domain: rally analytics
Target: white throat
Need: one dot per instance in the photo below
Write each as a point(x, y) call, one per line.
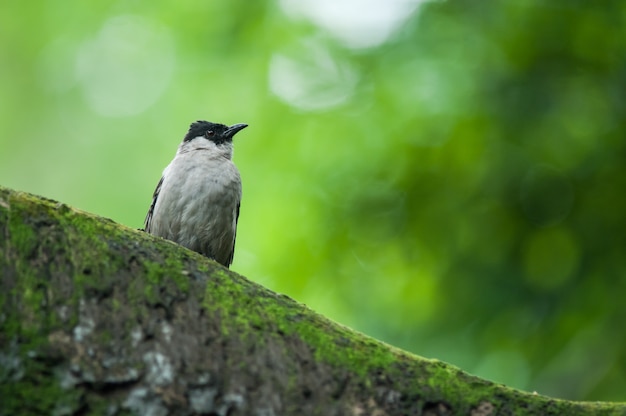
point(202, 144)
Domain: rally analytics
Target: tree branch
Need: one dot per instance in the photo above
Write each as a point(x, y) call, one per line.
point(99, 318)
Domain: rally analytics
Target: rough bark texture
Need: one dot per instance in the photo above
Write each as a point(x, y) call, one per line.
point(97, 318)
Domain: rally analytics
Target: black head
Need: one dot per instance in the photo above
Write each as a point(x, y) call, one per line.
point(217, 133)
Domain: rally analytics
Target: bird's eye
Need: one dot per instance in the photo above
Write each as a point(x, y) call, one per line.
point(209, 133)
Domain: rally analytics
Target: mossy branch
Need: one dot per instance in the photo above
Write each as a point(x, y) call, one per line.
point(98, 318)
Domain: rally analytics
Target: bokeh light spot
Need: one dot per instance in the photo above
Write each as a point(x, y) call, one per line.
point(312, 79)
point(355, 23)
point(547, 195)
point(126, 67)
point(551, 258)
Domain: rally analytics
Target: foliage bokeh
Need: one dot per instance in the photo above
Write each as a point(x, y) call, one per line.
point(446, 176)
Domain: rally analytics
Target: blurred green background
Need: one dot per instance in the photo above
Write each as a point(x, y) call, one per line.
point(446, 176)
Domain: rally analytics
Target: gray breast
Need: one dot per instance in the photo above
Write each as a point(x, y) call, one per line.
point(198, 205)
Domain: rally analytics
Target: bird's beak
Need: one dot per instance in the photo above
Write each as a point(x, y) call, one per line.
point(232, 130)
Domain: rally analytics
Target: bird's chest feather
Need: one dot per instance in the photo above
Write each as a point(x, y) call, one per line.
point(196, 185)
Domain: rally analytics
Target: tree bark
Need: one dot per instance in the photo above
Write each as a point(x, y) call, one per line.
point(97, 318)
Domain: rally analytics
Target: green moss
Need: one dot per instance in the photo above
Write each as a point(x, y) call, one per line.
point(23, 237)
point(23, 242)
point(203, 268)
point(245, 309)
point(38, 394)
point(105, 337)
point(87, 232)
point(220, 297)
point(154, 272)
point(151, 294)
point(342, 348)
point(158, 274)
point(169, 270)
point(31, 387)
point(173, 266)
point(153, 278)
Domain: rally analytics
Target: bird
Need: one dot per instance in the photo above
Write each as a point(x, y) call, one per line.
point(196, 203)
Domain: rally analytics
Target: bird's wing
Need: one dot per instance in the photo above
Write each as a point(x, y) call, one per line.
point(232, 251)
point(148, 221)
